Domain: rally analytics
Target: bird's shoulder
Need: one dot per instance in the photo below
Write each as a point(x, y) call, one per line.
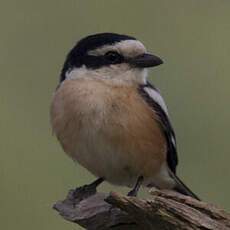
point(153, 98)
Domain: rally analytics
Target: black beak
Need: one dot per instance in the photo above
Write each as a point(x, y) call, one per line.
point(145, 60)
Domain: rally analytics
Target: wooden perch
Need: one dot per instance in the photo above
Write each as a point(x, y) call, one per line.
point(166, 210)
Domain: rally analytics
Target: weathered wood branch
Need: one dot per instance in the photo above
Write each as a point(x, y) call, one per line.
point(165, 210)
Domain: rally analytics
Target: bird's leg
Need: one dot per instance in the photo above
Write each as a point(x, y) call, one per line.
point(95, 183)
point(88, 189)
point(137, 186)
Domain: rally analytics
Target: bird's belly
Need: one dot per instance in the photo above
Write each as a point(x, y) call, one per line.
point(109, 131)
point(105, 160)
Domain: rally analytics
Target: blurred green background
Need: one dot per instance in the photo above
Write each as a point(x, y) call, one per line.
point(193, 38)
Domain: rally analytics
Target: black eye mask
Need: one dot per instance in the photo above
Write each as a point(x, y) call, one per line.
point(78, 54)
point(110, 58)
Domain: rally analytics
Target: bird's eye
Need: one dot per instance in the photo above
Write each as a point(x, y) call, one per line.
point(113, 57)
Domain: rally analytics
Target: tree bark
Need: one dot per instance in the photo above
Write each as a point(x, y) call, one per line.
point(166, 210)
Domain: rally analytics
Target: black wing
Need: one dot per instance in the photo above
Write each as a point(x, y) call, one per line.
point(165, 124)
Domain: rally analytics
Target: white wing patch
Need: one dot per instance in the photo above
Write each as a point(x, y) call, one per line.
point(173, 140)
point(155, 95)
point(155, 100)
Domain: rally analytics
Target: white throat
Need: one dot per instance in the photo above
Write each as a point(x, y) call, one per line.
point(117, 74)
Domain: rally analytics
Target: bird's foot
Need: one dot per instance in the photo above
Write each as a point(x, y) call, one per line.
point(137, 186)
point(133, 192)
point(86, 190)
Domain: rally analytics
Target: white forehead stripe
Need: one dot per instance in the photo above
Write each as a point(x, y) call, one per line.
point(128, 48)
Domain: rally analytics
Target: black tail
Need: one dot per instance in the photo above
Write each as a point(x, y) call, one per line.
point(182, 188)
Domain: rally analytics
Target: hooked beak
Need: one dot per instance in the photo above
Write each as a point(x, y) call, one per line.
point(145, 60)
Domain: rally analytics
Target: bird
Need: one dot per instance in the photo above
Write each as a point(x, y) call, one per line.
point(110, 119)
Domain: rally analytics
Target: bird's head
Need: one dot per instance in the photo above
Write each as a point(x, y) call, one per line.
point(109, 56)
